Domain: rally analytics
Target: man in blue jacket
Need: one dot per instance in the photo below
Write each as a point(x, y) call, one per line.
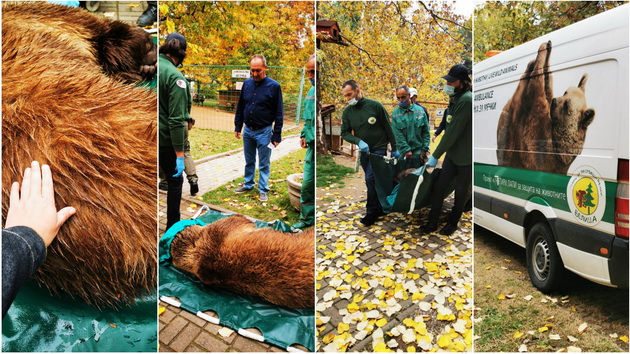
point(261, 110)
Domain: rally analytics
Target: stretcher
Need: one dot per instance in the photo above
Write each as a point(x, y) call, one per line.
point(280, 326)
point(414, 189)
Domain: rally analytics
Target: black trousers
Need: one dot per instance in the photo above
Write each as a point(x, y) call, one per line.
point(373, 206)
point(167, 163)
point(463, 188)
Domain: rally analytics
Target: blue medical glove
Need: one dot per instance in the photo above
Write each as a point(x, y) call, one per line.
point(395, 154)
point(179, 166)
point(363, 146)
point(432, 161)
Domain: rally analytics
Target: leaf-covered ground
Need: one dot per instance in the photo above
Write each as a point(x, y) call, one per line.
point(389, 288)
point(513, 316)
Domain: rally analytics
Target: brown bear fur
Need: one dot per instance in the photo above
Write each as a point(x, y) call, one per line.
point(534, 131)
point(66, 103)
point(233, 254)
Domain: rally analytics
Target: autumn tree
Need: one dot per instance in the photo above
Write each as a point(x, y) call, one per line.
point(501, 25)
point(392, 43)
point(230, 32)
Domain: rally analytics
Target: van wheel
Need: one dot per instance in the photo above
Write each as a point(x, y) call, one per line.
point(544, 264)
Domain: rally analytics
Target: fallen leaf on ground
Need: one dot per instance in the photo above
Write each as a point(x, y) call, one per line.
point(582, 328)
point(226, 332)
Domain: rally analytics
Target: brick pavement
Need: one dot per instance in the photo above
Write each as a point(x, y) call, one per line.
point(181, 331)
point(216, 172)
point(382, 288)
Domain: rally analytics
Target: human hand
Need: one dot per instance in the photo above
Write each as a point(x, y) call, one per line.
point(237, 135)
point(432, 161)
point(275, 143)
point(179, 167)
point(35, 207)
point(303, 142)
point(363, 146)
point(433, 138)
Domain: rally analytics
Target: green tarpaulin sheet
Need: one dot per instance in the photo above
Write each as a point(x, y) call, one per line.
point(279, 326)
point(412, 192)
point(40, 322)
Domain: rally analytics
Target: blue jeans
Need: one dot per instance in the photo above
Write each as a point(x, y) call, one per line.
point(257, 140)
point(373, 206)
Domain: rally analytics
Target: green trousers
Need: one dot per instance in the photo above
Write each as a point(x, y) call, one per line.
point(307, 194)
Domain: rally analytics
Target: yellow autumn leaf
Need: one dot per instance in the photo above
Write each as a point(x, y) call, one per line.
point(353, 307)
point(458, 346)
point(161, 310)
point(342, 327)
point(351, 259)
point(543, 329)
point(444, 341)
point(417, 296)
point(382, 348)
point(518, 334)
point(624, 339)
point(328, 338)
point(501, 297)
point(411, 349)
point(382, 322)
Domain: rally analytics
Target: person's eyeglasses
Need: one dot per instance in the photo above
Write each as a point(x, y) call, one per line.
point(256, 70)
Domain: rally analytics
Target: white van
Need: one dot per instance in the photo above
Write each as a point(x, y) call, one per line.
point(551, 150)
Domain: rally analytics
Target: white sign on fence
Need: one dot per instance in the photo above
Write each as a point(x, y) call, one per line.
point(240, 74)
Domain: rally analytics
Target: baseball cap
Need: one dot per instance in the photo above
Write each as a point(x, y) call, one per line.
point(179, 37)
point(413, 92)
point(457, 72)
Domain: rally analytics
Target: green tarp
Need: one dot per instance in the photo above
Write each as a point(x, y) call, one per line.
point(40, 322)
point(412, 192)
point(280, 326)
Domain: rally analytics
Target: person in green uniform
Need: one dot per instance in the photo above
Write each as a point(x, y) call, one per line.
point(365, 123)
point(457, 144)
point(411, 125)
point(174, 94)
point(307, 140)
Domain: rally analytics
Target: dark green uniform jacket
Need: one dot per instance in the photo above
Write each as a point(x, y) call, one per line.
point(457, 140)
point(308, 132)
point(368, 121)
point(175, 98)
point(411, 128)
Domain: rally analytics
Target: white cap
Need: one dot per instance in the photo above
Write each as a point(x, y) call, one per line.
point(413, 92)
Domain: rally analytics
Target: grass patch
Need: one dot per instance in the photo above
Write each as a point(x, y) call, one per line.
point(208, 142)
point(329, 173)
point(278, 206)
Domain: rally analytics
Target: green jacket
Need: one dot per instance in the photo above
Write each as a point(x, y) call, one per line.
point(368, 121)
point(308, 132)
point(174, 94)
point(457, 139)
point(411, 128)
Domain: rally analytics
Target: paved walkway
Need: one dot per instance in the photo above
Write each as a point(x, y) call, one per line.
point(388, 287)
point(218, 171)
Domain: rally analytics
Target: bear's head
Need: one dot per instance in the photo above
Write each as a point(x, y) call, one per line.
point(184, 246)
point(570, 117)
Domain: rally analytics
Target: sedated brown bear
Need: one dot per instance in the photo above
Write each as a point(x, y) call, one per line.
point(233, 254)
point(539, 132)
point(69, 99)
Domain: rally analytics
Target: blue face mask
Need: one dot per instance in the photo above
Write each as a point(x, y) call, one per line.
point(449, 90)
point(312, 81)
point(404, 104)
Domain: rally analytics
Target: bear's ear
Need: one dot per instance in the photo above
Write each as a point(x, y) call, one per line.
point(587, 118)
point(582, 83)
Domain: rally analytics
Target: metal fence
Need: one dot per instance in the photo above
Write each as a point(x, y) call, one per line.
point(216, 89)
